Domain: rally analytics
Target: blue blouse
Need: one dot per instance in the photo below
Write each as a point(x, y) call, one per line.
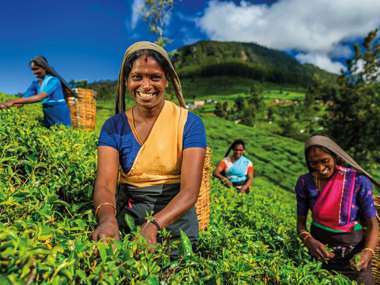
point(51, 86)
point(362, 203)
point(116, 132)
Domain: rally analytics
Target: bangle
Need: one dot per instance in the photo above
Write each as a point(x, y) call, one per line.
point(307, 237)
point(154, 222)
point(102, 205)
point(304, 235)
point(369, 249)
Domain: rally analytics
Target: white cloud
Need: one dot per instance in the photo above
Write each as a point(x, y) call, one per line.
point(137, 7)
point(321, 60)
point(313, 26)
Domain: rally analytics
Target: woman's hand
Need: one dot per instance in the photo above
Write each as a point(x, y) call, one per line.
point(149, 232)
point(318, 249)
point(361, 260)
point(244, 189)
point(7, 104)
point(106, 230)
point(227, 182)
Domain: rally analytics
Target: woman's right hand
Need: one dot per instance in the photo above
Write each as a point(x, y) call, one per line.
point(106, 230)
point(318, 249)
point(227, 182)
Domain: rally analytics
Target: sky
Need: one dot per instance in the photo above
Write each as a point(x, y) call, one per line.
point(86, 39)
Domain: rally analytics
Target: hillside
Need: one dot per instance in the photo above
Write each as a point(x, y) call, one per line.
point(248, 60)
point(46, 217)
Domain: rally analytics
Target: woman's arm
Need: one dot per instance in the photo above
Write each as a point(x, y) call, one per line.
point(367, 208)
point(191, 176)
point(105, 192)
point(372, 233)
point(218, 174)
point(24, 100)
point(301, 224)
point(249, 181)
point(315, 247)
point(370, 243)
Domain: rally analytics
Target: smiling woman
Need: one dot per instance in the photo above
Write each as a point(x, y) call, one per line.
point(235, 170)
point(49, 89)
point(338, 192)
point(159, 148)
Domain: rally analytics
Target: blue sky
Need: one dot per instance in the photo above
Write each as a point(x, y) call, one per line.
point(85, 39)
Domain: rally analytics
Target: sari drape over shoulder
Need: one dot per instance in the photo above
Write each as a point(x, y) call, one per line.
point(160, 156)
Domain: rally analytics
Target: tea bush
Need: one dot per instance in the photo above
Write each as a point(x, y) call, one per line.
point(46, 217)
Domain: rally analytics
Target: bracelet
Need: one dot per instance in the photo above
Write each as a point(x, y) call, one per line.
point(154, 222)
point(303, 232)
point(304, 235)
point(307, 237)
point(369, 249)
point(102, 205)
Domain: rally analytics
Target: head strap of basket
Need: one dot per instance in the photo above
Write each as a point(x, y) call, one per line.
point(41, 61)
point(328, 143)
point(122, 82)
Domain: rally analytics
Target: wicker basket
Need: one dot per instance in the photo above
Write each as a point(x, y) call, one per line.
point(376, 258)
point(203, 204)
point(83, 109)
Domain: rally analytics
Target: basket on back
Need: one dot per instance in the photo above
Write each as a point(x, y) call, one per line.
point(83, 109)
point(202, 206)
point(376, 258)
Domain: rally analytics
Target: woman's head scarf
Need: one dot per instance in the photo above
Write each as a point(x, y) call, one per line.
point(42, 62)
point(121, 86)
point(337, 150)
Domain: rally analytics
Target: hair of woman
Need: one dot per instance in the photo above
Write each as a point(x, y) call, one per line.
point(233, 145)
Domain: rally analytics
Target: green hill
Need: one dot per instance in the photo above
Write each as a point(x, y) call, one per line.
point(247, 60)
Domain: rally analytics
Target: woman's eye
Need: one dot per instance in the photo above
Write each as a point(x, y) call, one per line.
point(156, 77)
point(136, 77)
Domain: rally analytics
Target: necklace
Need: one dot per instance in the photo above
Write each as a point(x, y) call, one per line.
point(317, 182)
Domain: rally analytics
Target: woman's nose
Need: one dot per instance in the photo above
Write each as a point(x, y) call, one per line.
point(145, 83)
point(320, 167)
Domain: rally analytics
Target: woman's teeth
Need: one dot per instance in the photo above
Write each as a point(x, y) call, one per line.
point(145, 95)
point(325, 171)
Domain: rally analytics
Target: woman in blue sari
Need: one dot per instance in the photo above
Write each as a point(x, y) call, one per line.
point(48, 88)
point(235, 170)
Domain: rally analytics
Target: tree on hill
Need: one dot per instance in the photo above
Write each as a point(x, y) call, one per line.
point(353, 107)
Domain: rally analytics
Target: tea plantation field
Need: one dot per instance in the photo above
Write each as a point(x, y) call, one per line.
point(46, 215)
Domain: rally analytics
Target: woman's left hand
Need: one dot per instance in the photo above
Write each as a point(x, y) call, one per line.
point(244, 189)
point(8, 104)
point(149, 232)
point(360, 260)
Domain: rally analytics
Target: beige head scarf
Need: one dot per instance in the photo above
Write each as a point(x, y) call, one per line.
point(122, 86)
point(336, 149)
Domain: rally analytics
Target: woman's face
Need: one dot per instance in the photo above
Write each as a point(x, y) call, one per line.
point(321, 163)
point(147, 82)
point(38, 71)
point(238, 151)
